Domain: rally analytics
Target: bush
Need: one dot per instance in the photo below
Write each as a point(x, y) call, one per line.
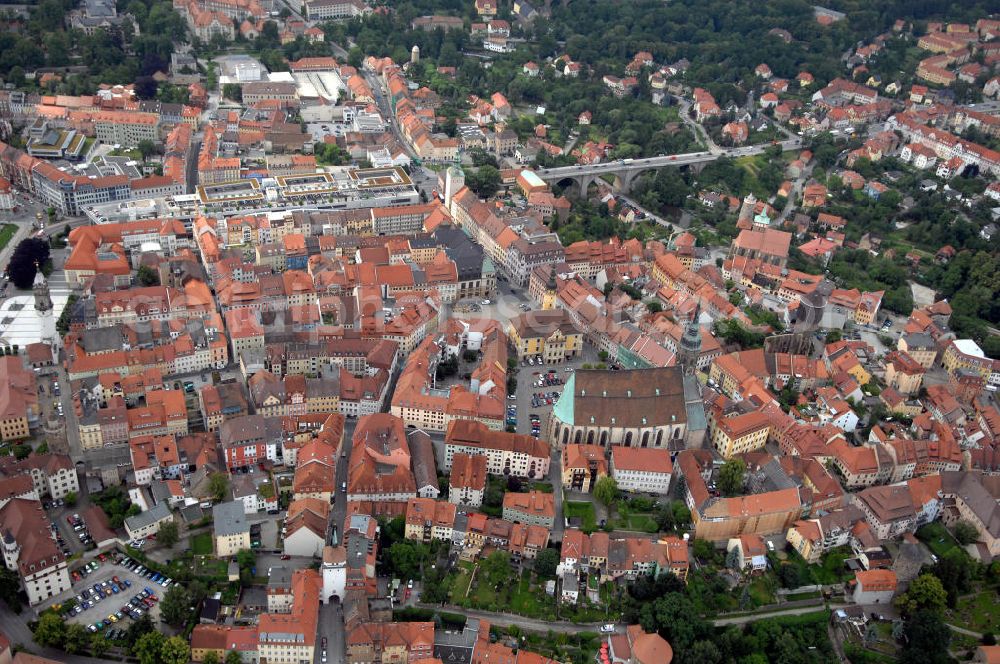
point(413, 614)
point(456, 619)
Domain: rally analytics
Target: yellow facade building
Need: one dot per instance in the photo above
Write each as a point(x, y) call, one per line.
point(740, 434)
point(549, 333)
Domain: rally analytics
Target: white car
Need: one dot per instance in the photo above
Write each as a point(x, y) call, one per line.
point(607, 629)
point(486, 302)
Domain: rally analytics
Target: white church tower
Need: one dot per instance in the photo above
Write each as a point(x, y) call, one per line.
point(43, 305)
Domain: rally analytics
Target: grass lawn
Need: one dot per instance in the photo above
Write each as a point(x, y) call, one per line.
point(761, 590)
point(752, 163)
point(584, 511)
point(861, 655)
point(201, 544)
point(937, 537)
point(526, 600)
point(980, 613)
point(460, 584)
point(831, 568)
point(521, 597)
point(484, 594)
point(210, 567)
point(6, 233)
point(641, 522)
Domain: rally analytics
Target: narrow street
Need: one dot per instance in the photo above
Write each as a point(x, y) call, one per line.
point(651, 215)
point(684, 107)
point(508, 619)
point(754, 617)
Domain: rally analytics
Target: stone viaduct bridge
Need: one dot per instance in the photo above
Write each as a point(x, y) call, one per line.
point(625, 171)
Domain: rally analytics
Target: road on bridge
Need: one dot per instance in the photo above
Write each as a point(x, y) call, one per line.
point(629, 168)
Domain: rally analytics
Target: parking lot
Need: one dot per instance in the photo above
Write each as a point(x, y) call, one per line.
point(72, 534)
point(532, 410)
point(320, 130)
point(108, 595)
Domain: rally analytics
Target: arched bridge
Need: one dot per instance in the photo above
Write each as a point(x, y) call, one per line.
point(624, 171)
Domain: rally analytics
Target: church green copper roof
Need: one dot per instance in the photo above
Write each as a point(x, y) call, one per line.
point(563, 410)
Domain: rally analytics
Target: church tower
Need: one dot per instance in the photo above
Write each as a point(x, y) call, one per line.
point(43, 305)
point(747, 210)
point(690, 346)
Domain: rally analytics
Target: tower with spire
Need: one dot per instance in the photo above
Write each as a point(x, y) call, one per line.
point(690, 346)
point(43, 305)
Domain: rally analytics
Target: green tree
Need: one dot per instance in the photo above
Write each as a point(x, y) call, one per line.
point(211, 657)
point(175, 650)
point(147, 276)
point(10, 587)
point(484, 182)
point(218, 486)
point(496, 567)
point(50, 631)
point(925, 594)
point(138, 628)
point(965, 532)
point(731, 477)
point(247, 562)
point(233, 657)
point(146, 148)
point(29, 254)
point(149, 647)
point(546, 563)
point(927, 639)
point(407, 558)
point(956, 570)
point(175, 609)
point(168, 533)
point(675, 617)
point(99, 645)
point(790, 575)
point(606, 490)
point(233, 91)
point(70, 498)
point(77, 638)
